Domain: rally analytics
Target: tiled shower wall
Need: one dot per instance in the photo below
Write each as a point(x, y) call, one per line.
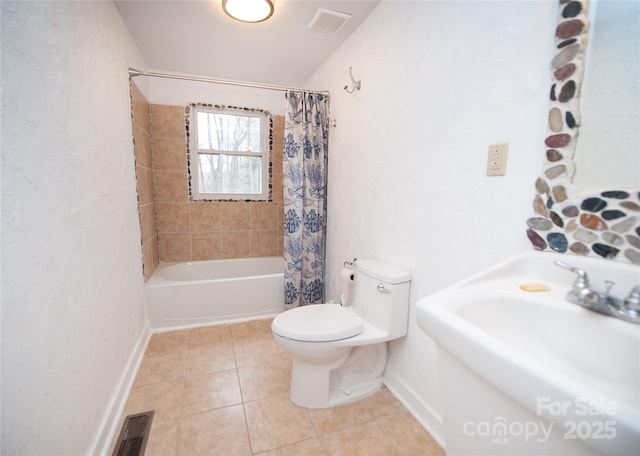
point(199, 230)
point(144, 177)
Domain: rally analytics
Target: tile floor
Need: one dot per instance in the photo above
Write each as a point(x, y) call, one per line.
point(223, 390)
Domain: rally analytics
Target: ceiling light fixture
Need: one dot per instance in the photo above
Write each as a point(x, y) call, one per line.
point(249, 10)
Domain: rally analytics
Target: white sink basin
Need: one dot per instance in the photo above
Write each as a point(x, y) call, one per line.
point(540, 350)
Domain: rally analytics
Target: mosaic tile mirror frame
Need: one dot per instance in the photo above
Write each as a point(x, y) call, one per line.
point(569, 219)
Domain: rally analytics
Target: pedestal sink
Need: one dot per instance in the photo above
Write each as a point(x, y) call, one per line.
point(527, 372)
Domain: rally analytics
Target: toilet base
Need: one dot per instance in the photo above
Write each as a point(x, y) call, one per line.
point(355, 375)
point(356, 393)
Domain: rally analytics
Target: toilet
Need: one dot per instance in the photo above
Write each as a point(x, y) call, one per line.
point(340, 352)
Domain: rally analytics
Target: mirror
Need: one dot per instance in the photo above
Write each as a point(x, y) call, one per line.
point(588, 203)
point(608, 149)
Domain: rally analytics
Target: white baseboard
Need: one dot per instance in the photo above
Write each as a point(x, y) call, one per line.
point(110, 421)
point(421, 411)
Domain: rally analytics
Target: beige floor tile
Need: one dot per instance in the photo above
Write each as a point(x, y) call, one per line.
point(263, 380)
point(408, 437)
point(275, 422)
point(383, 403)
point(141, 399)
point(225, 390)
point(210, 358)
point(161, 367)
point(250, 352)
point(337, 418)
point(251, 329)
point(210, 335)
point(215, 432)
point(163, 438)
point(164, 343)
point(366, 439)
point(170, 394)
point(210, 391)
point(164, 395)
point(311, 447)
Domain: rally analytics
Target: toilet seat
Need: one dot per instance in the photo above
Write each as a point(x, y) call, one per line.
point(317, 323)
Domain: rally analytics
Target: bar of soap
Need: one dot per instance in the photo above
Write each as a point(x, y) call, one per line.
point(534, 287)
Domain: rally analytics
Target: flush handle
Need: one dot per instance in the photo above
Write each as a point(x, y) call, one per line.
point(381, 288)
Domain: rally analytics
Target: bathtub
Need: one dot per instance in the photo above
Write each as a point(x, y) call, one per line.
point(200, 293)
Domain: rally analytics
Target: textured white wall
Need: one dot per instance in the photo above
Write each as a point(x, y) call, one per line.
point(72, 286)
point(407, 162)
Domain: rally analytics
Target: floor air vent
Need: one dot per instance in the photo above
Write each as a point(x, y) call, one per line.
point(134, 435)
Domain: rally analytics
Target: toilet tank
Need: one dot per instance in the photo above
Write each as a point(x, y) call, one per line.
point(381, 296)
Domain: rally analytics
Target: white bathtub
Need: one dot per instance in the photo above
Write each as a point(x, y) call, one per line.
point(199, 293)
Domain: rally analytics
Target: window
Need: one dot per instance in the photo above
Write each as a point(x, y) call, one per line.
point(230, 152)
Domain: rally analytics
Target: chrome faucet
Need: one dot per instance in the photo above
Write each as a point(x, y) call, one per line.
point(601, 301)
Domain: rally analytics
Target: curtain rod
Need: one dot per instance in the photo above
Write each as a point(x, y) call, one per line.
point(133, 73)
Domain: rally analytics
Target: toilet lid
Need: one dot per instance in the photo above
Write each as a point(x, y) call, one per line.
point(317, 323)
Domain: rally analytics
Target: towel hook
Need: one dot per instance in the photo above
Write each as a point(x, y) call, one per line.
point(350, 263)
point(355, 85)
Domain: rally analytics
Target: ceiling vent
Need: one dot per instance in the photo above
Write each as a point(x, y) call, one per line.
point(328, 21)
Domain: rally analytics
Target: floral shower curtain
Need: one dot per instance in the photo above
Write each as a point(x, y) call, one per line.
point(305, 183)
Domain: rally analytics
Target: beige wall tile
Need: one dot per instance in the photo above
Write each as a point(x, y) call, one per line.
point(174, 246)
point(276, 191)
point(280, 217)
point(142, 146)
point(149, 257)
point(264, 216)
point(140, 115)
point(236, 244)
point(264, 243)
point(235, 216)
point(278, 140)
point(155, 254)
point(206, 245)
point(144, 177)
point(170, 187)
point(258, 226)
point(205, 216)
point(167, 121)
point(147, 222)
point(169, 154)
point(280, 246)
point(139, 108)
point(173, 217)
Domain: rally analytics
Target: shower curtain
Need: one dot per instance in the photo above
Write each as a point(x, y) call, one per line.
point(305, 183)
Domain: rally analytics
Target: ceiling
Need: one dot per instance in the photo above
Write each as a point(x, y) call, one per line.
point(198, 38)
